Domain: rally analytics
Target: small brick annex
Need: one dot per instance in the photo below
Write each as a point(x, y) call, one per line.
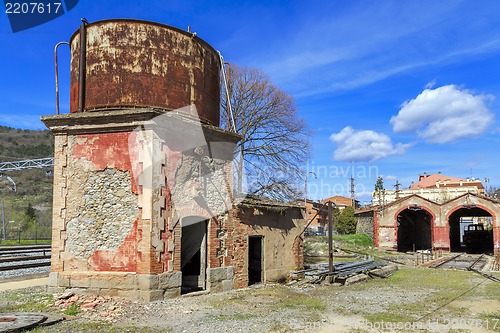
point(126, 203)
point(433, 222)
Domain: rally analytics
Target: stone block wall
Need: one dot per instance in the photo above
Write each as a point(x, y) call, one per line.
point(220, 279)
point(365, 223)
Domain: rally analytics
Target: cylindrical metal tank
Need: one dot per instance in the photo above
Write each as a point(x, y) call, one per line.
point(131, 63)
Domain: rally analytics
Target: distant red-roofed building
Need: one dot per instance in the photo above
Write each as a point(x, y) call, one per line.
point(317, 212)
point(436, 187)
point(339, 201)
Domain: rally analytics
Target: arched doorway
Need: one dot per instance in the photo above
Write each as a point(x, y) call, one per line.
point(475, 223)
point(193, 253)
point(414, 229)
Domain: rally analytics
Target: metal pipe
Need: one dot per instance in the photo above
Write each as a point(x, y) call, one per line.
point(228, 97)
point(312, 219)
point(3, 220)
point(330, 239)
point(57, 74)
point(82, 66)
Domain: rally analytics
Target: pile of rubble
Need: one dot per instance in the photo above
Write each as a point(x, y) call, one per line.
point(97, 307)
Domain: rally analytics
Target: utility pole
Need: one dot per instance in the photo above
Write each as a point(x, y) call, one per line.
point(397, 188)
point(352, 193)
point(305, 190)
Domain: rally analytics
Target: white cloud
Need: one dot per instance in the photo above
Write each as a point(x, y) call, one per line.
point(318, 55)
point(444, 114)
point(390, 178)
point(364, 145)
point(430, 85)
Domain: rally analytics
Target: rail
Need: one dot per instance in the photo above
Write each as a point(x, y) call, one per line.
point(20, 257)
point(22, 266)
point(10, 250)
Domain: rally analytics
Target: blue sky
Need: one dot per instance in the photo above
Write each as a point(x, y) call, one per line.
point(389, 88)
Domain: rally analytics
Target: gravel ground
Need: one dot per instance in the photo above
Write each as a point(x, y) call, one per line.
point(299, 307)
point(410, 294)
point(25, 271)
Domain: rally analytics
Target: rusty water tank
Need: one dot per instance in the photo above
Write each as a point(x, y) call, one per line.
point(131, 63)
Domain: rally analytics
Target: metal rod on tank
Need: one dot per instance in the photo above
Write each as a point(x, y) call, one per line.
point(330, 240)
point(226, 82)
point(57, 74)
point(82, 65)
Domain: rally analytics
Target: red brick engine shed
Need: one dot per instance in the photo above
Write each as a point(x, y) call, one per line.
point(143, 176)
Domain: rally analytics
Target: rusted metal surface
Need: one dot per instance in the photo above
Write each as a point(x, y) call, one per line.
point(133, 63)
point(82, 67)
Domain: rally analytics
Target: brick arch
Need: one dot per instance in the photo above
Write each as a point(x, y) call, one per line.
point(488, 210)
point(192, 219)
point(496, 227)
point(427, 210)
point(193, 210)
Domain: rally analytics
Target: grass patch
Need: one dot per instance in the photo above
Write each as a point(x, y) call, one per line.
point(256, 303)
point(492, 290)
point(441, 288)
point(81, 326)
point(492, 320)
point(387, 317)
point(356, 240)
point(25, 301)
point(24, 242)
point(446, 280)
point(319, 244)
point(300, 301)
point(234, 316)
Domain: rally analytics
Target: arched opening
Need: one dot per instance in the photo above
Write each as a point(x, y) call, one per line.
point(414, 229)
point(193, 253)
point(471, 230)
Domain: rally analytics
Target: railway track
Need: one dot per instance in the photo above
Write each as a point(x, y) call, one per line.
point(463, 261)
point(18, 250)
point(18, 260)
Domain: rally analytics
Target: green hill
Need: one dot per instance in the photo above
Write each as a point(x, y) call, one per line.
point(28, 211)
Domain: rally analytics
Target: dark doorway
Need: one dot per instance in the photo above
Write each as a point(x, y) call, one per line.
point(254, 259)
point(479, 239)
point(414, 230)
point(193, 254)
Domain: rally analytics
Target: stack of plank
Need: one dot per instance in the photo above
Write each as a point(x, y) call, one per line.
point(347, 273)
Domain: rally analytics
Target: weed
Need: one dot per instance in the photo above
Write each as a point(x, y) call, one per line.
point(234, 316)
point(295, 301)
point(86, 326)
point(490, 320)
point(72, 310)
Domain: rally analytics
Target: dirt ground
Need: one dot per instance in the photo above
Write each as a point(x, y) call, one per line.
point(411, 300)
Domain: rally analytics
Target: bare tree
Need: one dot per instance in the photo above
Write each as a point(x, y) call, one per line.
point(275, 140)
